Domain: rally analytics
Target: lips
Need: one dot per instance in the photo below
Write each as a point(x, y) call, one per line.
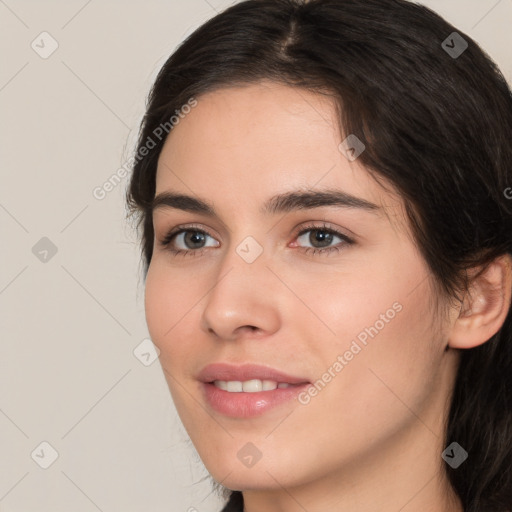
point(221, 383)
point(246, 372)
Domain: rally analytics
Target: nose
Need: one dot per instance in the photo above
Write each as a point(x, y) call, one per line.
point(243, 298)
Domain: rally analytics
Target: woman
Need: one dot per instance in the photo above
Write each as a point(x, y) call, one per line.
point(327, 237)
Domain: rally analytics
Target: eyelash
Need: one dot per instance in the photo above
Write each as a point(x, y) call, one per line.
point(166, 242)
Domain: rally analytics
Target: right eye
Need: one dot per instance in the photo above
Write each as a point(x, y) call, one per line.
point(188, 238)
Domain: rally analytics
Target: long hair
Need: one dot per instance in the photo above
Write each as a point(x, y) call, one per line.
point(435, 115)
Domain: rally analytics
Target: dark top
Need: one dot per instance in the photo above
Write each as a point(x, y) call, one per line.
point(235, 503)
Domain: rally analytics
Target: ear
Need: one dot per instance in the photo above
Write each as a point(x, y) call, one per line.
point(485, 305)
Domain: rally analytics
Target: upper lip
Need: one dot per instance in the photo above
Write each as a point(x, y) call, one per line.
point(230, 372)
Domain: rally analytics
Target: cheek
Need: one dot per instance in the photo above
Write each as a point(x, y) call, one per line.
point(157, 304)
point(172, 307)
point(167, 300)
point(389, 362)
point(385, 332)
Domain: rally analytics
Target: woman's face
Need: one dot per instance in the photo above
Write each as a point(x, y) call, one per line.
point(356, 324)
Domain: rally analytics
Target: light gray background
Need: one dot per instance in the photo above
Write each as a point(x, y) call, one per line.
point(70, 325)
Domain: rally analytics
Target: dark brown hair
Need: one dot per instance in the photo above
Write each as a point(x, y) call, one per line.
point(436, 125)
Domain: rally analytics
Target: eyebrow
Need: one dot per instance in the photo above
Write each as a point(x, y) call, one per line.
point(281, 203)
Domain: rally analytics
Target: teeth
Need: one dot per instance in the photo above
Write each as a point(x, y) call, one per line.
point(234, 386)
point(269, 385)
point(221, 384)
point(250, 386)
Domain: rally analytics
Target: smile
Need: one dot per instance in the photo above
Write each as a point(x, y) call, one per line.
point(250, 386)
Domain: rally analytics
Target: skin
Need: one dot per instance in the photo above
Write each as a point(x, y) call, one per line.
point(372, 439)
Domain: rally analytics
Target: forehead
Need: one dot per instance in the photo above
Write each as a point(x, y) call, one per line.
point(251, 142)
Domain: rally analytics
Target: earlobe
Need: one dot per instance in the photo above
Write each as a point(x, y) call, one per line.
point(485, 305)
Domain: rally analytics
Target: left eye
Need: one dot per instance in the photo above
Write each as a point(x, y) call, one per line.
point(190, 238)
point(321, 236)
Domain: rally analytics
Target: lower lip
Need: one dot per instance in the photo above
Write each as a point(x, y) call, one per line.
point(248, 405)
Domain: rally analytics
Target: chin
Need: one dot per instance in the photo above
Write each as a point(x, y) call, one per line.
point(249, 480)
point(263, 475)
